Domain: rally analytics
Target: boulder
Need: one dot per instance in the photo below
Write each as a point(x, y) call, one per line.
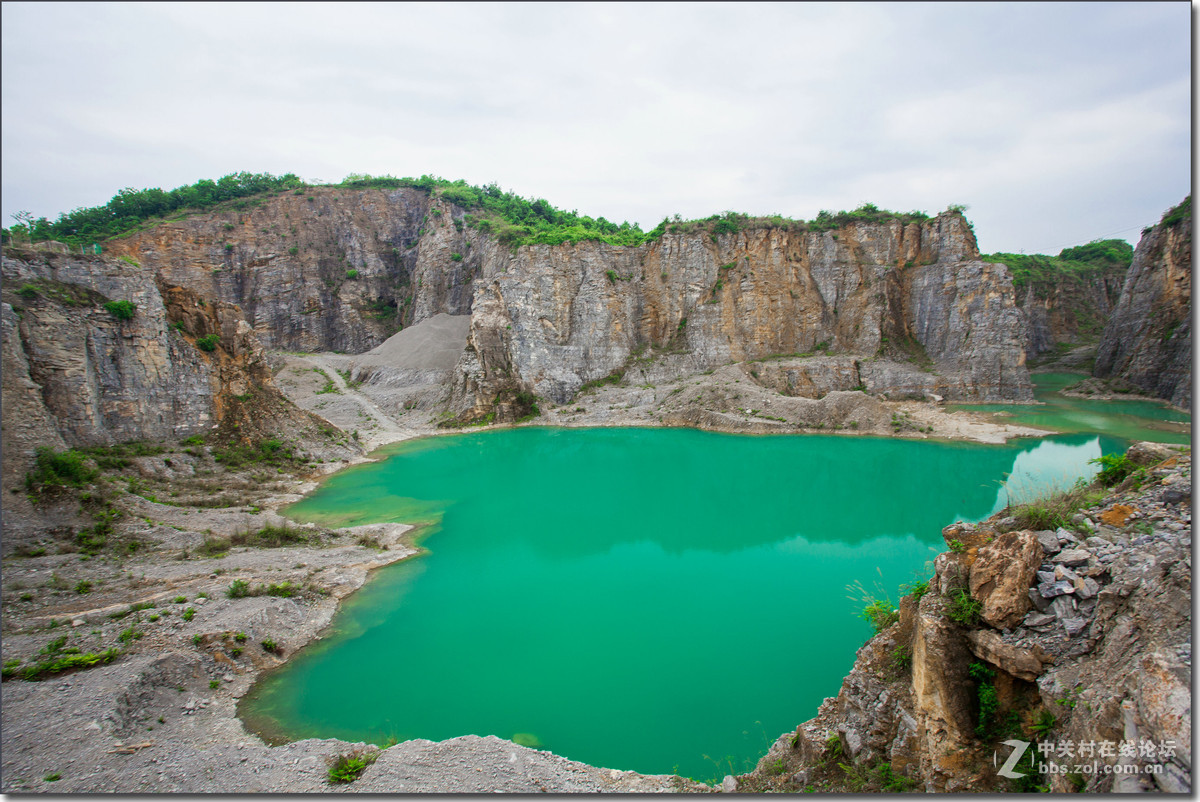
point(950, 572)
point(1072, 558)
point(1001, 575)
point(969, 535)
point(1143, 453)
point(1049, 541)
point(1022, 663)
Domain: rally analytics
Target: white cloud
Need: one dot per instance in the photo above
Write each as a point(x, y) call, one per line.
point(1055, 122)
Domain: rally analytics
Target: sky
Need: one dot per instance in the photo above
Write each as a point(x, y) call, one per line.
point(1054, 123)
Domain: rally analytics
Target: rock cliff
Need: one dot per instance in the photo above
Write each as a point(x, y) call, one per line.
point(908, 309)
point(1148, 340)
point(171, 365)
point(320, 269)
point(1071, 310)
point(341, 270)
point(549, 319)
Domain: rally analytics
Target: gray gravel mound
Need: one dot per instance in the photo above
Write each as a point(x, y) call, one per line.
point(435, 343)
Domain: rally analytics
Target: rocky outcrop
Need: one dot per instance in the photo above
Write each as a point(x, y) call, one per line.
point(1103, 656)
point(333, 269)
point(321, 269)
point(171, 365)
point(1071, 309)
point(1148, 340)
point(85, 376)
point(557, 317)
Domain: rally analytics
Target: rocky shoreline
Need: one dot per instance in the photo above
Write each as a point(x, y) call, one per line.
point(1082, 636)
point(129, 727)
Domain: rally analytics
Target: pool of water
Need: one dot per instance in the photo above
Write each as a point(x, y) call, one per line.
point(662, 600)
point(1129, 420)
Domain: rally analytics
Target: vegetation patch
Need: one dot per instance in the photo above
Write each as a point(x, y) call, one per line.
point(963, 608)
point(57, 662)
point(346, 768)
point(1110, 257)
point(1054, 511)
point(53, 470)
point(130, 209)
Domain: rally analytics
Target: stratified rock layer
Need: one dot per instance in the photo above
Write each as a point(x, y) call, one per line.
point(1148, 339)
point(556, 317)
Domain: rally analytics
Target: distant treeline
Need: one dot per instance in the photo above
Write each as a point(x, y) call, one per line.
point(129, 208)
point(509, 217)
point(1100, 256)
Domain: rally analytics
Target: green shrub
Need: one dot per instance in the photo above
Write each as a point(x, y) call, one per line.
point(456, 257)
point(208, 342)
point(270, 645)
point(352, 274)
point(349, 767)
point(130, 634)
point(189, 614)
point(1177, 213)
point(56, 469)
point(83, 586)
point(121, 310)
point(28, 292)
point(963, 608)
point(957, 546)
point(880, 614)
point(916, 589)
point(238, 589)
point(1113, 468)
point(985, 694)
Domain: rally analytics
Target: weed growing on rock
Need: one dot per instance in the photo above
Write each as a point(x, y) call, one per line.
point(1052, 512)
point(58, 663)
point(349, 767)
point(963, 608)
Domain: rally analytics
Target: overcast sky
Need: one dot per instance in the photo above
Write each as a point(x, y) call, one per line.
point(1055, 123)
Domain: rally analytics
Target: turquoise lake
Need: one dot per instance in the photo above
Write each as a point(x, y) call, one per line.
point(662, 600)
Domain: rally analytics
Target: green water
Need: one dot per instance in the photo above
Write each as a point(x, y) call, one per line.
point(1128, 420)
point(631, 598)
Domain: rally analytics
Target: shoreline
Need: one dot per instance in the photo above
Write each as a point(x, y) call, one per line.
point(171, 657)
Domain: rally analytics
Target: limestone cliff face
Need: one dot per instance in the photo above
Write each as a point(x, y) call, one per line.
point(1148, 339)
point(77, 375)
point(1070, 310)
point(548, 319)
point(86, 377)
point(323, 269)
point(341, 270)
